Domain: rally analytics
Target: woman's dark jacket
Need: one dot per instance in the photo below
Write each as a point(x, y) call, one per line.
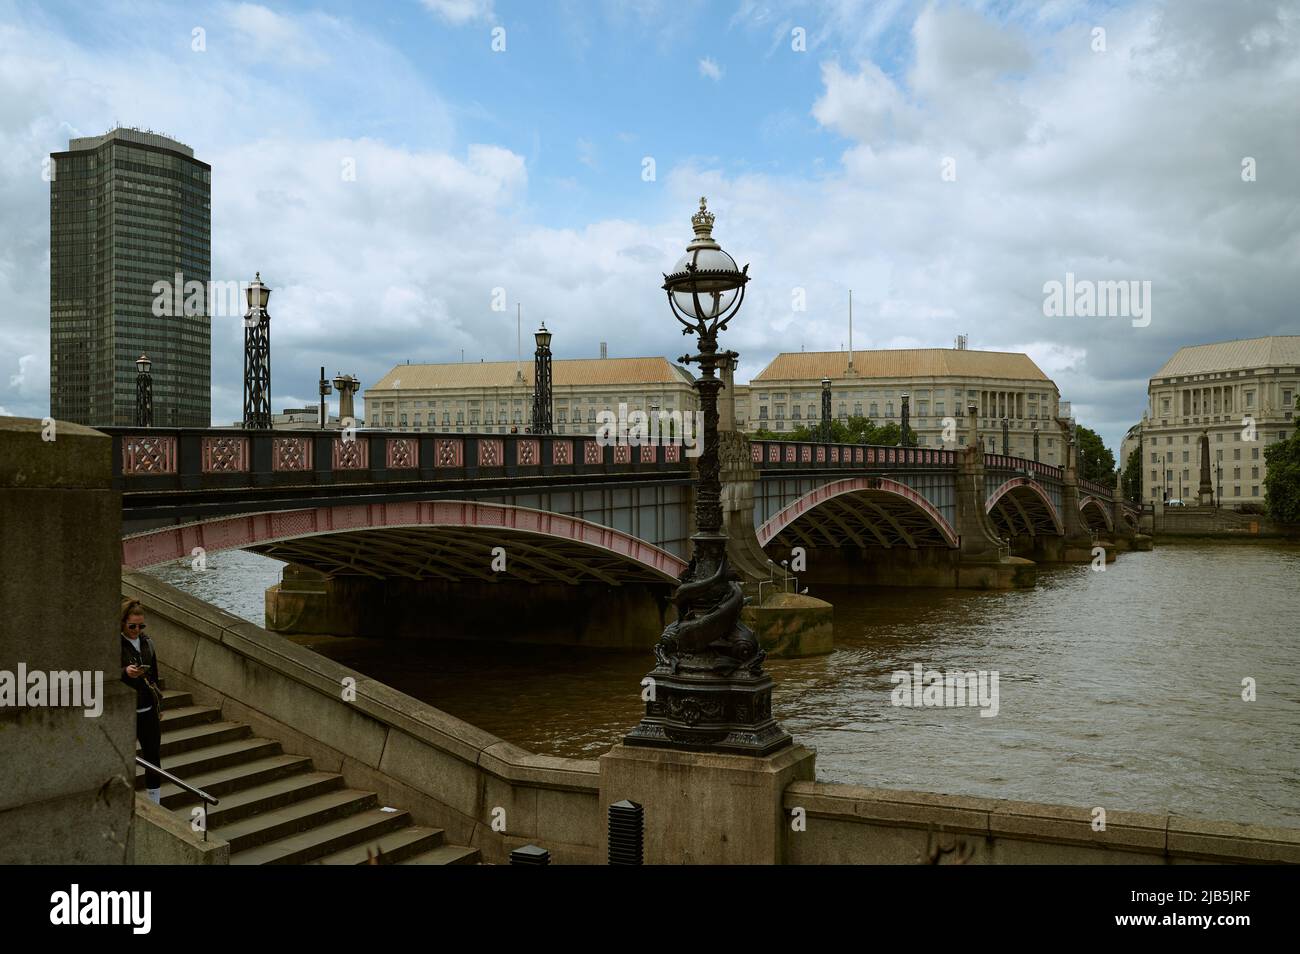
point(147, 656)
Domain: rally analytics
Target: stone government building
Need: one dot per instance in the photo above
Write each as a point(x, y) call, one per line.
point(494, 396)
point(1211, 388)
point(939, 381)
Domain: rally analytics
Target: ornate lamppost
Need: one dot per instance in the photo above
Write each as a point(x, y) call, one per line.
point(257, 357)
point(826, 410)
point(1006, 438)
point(1035, 442)
point(708, 692)
point(325, 390)
point(907, 417)
point(542, 382)
point(143, 392)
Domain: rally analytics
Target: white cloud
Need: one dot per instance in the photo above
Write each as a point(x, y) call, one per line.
point(710, 69)
point(1117, 166)
point(459, 12)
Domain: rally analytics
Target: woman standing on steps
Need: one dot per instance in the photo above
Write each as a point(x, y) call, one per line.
point(140, 672)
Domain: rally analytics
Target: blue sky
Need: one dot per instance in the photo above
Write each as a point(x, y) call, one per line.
point(522, 169)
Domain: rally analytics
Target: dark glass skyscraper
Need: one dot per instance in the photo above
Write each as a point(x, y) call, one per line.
point(127, 210)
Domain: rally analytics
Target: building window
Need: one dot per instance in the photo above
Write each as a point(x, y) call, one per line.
point(1254, 490)
point(1185, 458)
point(1254, 453)
point(1236, 491)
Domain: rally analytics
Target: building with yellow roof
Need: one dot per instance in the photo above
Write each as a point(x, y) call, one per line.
point(1242, 394)
point(495, 397)
point(939, 382)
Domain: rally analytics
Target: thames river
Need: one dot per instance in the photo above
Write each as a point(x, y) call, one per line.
point(1121, 689)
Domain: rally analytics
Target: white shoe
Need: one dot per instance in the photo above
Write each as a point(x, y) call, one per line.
point(155, 795)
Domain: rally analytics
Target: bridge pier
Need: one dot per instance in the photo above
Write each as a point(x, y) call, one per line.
point(628, 616)
point(786, 624)
point(984, 562)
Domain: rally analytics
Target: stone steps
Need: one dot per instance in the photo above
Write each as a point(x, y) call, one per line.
point(262, 798)
point(275, 808)
point(323, 838)
point(392, 848)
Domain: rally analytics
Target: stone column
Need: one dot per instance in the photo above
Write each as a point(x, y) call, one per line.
point(67, 794)
point(1205, 493)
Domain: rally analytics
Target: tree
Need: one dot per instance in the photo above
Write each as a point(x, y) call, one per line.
point(856, 430)
point(1096, 462)
point(1133, 476)
point(1282, 479)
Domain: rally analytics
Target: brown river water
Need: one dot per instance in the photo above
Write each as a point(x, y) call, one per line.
point(1120, 688)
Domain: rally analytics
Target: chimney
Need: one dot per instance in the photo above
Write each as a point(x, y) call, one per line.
point(604, 349)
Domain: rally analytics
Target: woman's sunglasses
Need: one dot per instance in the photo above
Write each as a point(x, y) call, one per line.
point(135, 625)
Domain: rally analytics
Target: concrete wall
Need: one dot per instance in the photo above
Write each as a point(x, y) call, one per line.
point(630, 616)
point(445, 772)
point(1217, 522)
point(66, 781)
point(851, 824)
point(159, 838)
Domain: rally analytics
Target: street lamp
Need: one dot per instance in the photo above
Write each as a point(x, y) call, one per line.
point(1006, 438)
point(1035, 442)
point(325, 390)
point(257, 357)
point(907, 416)
point(542, 423)
point(710, 693)
point(826, 410)
point(143, 392)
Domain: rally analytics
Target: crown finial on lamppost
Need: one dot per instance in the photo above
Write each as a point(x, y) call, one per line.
point(702, 221)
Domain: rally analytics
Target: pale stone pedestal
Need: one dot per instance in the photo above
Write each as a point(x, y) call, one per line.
point(704, 809)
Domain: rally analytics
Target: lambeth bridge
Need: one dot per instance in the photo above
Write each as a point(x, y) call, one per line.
point(384, 531)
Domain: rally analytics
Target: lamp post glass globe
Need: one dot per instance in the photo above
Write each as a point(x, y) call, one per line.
point(543, 337)
point(705, 287)
point(257, 294)
point(143, 364)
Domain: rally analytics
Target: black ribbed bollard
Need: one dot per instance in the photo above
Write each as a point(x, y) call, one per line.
point(626, 838)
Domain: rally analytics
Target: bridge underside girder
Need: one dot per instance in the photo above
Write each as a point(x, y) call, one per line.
point(1021, 511)
point(865, 519)
point(459, 554)
point(1095, 515)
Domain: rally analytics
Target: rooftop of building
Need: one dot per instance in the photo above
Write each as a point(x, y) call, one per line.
point(1238, 355)
point(565, 372)
point(143, 137)
point(900, 363)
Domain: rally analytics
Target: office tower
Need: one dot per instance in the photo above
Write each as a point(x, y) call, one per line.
point(129, 209)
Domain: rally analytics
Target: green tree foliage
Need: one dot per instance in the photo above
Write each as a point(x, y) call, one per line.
point(1282, 481)
point(856, 430)
point(1096, 462)
point(1133, 476)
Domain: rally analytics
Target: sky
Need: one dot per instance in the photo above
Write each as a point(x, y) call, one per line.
point(395, 169)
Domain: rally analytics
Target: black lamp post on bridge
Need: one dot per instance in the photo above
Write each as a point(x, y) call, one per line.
point(542, 423)
point(826, 410)
point(143, 392)
point(257, 357)
point(710, 693)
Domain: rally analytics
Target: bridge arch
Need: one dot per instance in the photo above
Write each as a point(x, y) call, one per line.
point(860, 511)
point(1021, 505)
point(1096, 514)
point(441, 540)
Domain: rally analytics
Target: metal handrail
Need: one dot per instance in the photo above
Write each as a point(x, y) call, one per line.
point(204, 797)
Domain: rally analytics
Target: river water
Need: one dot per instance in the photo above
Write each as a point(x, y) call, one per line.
point(1121, 688)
